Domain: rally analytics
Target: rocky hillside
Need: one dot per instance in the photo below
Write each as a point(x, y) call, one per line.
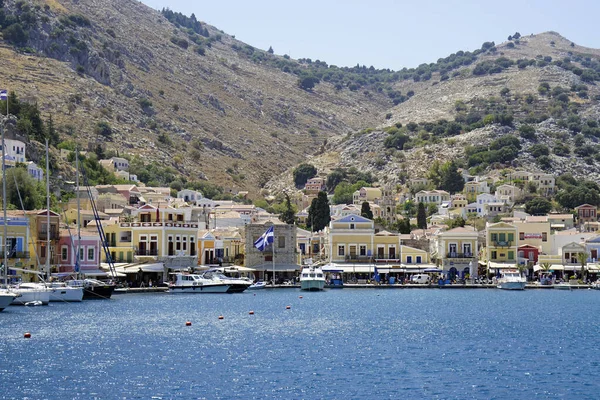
point(209, 111)
point(544, 83)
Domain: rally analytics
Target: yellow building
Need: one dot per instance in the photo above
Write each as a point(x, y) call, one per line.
point(221, 247)
point(456, 251)
point(40, 234)
point(155, 235)
point(501, 245)
point(17, 243)
point(535, 231)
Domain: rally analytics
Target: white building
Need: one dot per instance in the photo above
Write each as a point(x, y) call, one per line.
point(15, 150)
point(36, 172)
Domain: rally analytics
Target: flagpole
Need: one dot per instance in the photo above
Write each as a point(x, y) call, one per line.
point(273, 255)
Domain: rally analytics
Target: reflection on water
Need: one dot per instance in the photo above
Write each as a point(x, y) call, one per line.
point(350, 343)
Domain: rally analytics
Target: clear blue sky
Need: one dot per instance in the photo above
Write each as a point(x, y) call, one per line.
point(387, 33)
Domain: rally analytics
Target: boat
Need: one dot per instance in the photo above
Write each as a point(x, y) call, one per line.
point(6, 298)
point(312, 278)
point(257, 285)
point(236, 285)
point(60, 291)
point(596, 285)
point(562, 286)
point(194, 283)
point(511, 279)
point(93, 289)
point(30, 292)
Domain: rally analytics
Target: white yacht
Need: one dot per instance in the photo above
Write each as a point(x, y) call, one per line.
point(511, 279)
point(6, 298)
point(236, 285)
point(312, 278)
point(31, 293)
point(194, 283)
point(60, 291)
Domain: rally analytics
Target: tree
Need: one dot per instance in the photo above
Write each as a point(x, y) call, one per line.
point(308, 82)
point(103, 128)
point(538, 206)
point(270, 51)
point(456, 222)
point(365, 210)
point(403, 225)
point(51, 133)
point(15, 34)
point(318, 212)
point(288, 215)
point(31, 191)
point(451, 180)
point(582, 258)
point(421, 216)
point(334, 178)
point(343, 193)
point(303, 173)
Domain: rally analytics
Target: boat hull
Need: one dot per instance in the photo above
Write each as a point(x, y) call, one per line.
point(6, 299)
point(98, 292)
point(217, 288)
point(66, 294)
point(257, 286)
point(312, 285)
point(237, 287)
point(512, 285)
point(31, 296)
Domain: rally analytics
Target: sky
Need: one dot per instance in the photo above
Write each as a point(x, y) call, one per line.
point(387, 33)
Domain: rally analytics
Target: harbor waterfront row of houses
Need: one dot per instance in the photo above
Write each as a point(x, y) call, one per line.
point(149, 234)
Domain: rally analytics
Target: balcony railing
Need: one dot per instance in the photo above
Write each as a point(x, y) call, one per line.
point(502, 243)
point(459, 255)
point(146, 252)
point(15, 254)
point(44, 235)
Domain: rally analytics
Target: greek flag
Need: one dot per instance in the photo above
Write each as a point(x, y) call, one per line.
point(266, 238)
point(3, 94)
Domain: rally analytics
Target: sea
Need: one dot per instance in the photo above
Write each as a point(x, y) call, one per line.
point(288, 344)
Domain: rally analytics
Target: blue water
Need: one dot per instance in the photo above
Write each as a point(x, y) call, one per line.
point(349, 343)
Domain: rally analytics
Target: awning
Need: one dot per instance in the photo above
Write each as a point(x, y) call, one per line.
point(497, 265)
point(557, 225)
point(135, 268)
point(94, 272)
point(278, 267)
point(553, 267)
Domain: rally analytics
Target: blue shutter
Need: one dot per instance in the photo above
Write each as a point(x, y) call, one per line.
point(19, 244)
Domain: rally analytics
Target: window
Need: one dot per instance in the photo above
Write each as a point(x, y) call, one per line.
point(511, 255)
point(64, 253)
point(494, 255)
point(511, 237)
point(351, 226)
point(341, 250)
point(494, 237)
point(502, 237)
point(521, 235)
point(81, 254)
point(362, 250)
point(409, 259)
point(184, 243)
point(544, 236)
point(281, 242)
point(419, 260)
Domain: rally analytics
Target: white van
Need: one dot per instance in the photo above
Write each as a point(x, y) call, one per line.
point(421, 278)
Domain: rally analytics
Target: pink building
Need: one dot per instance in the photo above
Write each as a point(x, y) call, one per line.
point(314, 185)
point(89, 251)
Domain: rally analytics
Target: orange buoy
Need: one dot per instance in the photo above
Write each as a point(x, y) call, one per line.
point(220, 317)
point(188, 323)
point(27, 335)
point(288, 307)
point(299, 297)
point(251, 313)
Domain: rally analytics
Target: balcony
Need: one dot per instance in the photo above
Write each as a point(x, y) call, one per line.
point(44, 235)
point(459, 255)
point(357, 259)
point(146, 252)
point(502, 243)
point(15, 254)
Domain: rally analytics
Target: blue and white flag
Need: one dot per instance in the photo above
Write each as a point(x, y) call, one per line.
point(3, 94)
point(266, 238)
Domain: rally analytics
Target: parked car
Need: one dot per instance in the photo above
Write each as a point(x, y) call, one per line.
point(421, 278)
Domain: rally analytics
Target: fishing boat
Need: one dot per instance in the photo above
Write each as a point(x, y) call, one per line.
point(312, 278)
point(194, 283)
point(511, 279)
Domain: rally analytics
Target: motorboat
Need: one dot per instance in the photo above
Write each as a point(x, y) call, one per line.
point(312, 278)
point(562, 286)
point(60, 291)
point(596, 285)
point(6, 298)
point(31, 293)
point(511, 279)
point(257, 285)
point(93, 289)
point(236, 285)
point(194, 283)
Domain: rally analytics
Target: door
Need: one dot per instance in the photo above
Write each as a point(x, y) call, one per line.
point(380, 252)
point(392, 253)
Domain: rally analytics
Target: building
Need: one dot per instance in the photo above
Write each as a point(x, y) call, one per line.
point(191, 197)
point(18, 252)
point(432, 196)
point(44, 239)
point(279, 257)
point(36, 172)
point(314, 185)
point(501, 246)
point(368, 194)
point(586, 213)
point(15, 150)
point(457, 251)
point(508, 193)
point(89, 252)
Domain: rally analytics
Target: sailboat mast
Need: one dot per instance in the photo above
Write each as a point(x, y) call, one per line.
point(77, 266)
point(47, 213)
point(5, 222)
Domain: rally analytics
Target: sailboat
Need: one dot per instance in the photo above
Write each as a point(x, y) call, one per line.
point(93, 289)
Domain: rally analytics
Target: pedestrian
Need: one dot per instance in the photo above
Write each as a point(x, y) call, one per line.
point(149, 282)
